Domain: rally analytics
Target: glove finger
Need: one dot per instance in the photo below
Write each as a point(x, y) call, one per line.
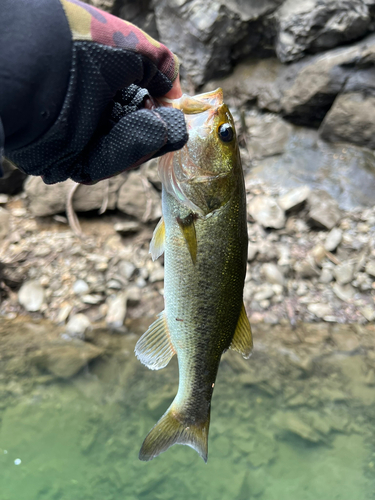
point(176, 130)
point(132, 141)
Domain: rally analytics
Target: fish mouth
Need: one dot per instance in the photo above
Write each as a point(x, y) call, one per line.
point(197, 104)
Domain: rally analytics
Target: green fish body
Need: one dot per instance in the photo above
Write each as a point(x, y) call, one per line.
point(204, 236)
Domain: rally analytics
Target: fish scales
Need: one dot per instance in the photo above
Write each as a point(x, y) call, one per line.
point(204, 236)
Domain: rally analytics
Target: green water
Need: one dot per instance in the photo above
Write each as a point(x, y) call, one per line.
point(79, 439)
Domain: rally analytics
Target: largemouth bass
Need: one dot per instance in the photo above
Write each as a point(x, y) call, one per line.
point(203, 233)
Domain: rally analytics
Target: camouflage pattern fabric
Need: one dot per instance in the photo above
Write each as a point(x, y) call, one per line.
point(91, 24)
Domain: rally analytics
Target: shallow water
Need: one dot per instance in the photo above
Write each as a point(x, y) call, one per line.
point(276, 432)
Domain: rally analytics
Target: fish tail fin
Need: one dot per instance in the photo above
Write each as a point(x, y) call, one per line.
point(171, 430)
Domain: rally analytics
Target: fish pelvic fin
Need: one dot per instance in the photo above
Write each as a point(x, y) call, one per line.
point(188, 231)
point(158, 240)
point(155, 349)
point(243, 340)
point(171, 429)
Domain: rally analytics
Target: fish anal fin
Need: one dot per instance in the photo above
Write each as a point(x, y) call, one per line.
point(243, 340)
point(158, 240)
point(155, 349)
point(171, 429)
point(187, 227)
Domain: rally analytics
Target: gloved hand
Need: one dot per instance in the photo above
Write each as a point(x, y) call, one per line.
point(104, 126)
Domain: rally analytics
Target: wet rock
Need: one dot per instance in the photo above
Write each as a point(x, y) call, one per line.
point(80, 287)
point(127, 228)
point(114, 285)
point(267, 212)
point(252, 251)
point(133, 294)
point(92, 299)
point(370, 268)
point(288, 421)
point(318, 253)
point(333, 239)
point(345, 341)
point(370, 378)
point(253, 80)
point(268, 135)
point(215, 32)
point(315, 86)
point(344, 292)
point(316, 333)
point(306, 268)
point(320, 310)
point(46, 199)
point(65, 358)
point(264, 292)
point(344, 273)
point(324, 210)
point(31, 296)
point(116, 310)
point(253, 485)
point(316, 25)
point(351, 119)
point(77, 325)
point(4, 223)
point(126, 269)
point(138, 198)
point(273, 274)
point(326, 276)
point(368, 312)
point(294, 198)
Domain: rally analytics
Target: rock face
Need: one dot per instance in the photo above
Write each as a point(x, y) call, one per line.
point(209, 35)
point(324, 210)
point(316, 25)
point(351, 119)
point(4, 223)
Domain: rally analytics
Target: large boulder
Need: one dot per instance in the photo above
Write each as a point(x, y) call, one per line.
point(253, 80)
point(312, 85)
point(208, 35)
point(351, 119)
point(317, 25)
point(46, 199)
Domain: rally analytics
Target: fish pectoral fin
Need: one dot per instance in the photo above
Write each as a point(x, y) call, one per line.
point(187, 227)
point(243, 340)
point(158, 240)
point(155, 349)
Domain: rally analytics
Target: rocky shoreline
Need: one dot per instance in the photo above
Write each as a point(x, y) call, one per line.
point(308, 259)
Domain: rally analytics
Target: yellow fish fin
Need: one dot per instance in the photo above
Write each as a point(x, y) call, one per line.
point(158, 240)
point(155, 349)
point(187, 227)
point(243, 340)
point(174, 428)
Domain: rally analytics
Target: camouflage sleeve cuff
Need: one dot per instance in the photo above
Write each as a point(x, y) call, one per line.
point(90, 24)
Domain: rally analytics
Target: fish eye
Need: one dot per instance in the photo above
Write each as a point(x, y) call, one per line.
point(226, 132)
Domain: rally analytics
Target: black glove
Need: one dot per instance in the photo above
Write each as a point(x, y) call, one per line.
point(103, 127)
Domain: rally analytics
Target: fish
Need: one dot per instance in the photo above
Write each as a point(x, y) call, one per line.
point(203, 235)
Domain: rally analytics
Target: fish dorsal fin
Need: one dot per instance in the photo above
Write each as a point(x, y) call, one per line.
point(155, 349)
point(158, 240)
point(187, 227)
point(243, 340)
